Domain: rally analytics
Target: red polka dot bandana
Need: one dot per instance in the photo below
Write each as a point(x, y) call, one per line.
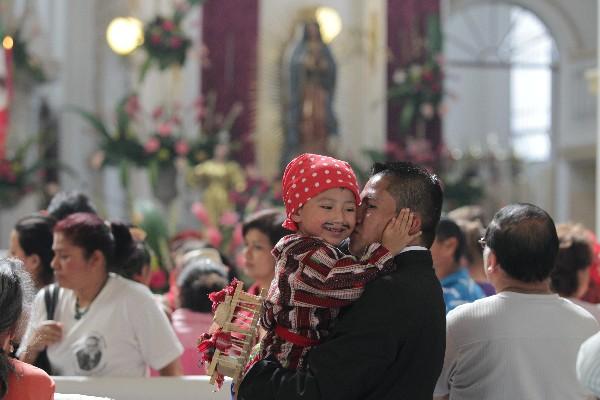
point(310, 174)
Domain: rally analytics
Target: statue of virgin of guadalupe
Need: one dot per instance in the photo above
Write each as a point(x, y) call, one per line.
point(309, 84)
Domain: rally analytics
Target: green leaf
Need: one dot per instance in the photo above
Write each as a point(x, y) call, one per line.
point(144, 68)
point(124, 172)
point(407, 115)
point(93, 120)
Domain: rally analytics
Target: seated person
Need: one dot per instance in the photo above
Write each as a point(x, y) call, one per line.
point(446, 251)
point(571, 276)
point(31, 242)
point(104, 324)
point(522, 342)
point(18, 380)
point(197, 280)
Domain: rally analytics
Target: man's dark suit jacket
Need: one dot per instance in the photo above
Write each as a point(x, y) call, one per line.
point(389, 344)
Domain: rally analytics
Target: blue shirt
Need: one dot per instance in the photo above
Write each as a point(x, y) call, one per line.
point(459, 289)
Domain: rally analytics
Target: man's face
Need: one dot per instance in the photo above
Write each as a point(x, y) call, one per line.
point(376, 209)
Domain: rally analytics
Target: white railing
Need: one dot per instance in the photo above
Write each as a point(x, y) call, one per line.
point(170, 388)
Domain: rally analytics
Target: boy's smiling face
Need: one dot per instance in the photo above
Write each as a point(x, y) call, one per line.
point(331, 215)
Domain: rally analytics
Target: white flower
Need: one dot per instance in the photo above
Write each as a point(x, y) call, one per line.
point(427, 110)
point(399, 76)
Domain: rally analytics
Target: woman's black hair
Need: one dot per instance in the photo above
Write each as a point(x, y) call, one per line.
point(574, 255)
point(91, 233)
point(34, 234)
point(139, 258)
point(269, 222)
point(197, 280)
point(16, 292)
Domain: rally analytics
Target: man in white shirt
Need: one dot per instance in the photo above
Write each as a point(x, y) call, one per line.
point(521, 343)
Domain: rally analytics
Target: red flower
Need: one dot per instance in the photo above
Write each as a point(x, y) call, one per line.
point(155, 38)
point(176, 42)
point(168, 25)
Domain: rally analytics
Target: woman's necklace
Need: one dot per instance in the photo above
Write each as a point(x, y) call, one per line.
point(80, 312)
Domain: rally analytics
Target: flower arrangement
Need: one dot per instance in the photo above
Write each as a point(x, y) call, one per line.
point(166, 144)
point(213, 127)
point(165, 42)
point(226, 235)
point(418, 85)
point(119, 145)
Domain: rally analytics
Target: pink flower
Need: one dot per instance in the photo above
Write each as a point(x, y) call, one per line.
point(158, 112)
point(240, 260)
point(165, 129)
point(229, 218)
point(176, 42)
point(214, 236)
point(152, 145)
point(237, 238)
point(132, 105)
point(181, 147)
point(200, 212)
point(168, 25)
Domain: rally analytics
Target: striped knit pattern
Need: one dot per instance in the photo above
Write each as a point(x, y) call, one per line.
point(313, 280)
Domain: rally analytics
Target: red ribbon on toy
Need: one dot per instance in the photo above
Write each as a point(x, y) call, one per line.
point(219, 297)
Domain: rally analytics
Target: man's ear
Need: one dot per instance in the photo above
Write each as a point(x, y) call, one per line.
point(492, 263)
point(416, 225)
point(451, 244)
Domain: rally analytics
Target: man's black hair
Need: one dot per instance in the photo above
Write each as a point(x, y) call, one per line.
point(64, 204)
point(447, 229)
point(413, 187)
point(524, 239)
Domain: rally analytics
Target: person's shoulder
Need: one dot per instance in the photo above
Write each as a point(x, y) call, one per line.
point(475, 311)
point(579, 313)
point(26, 374)
point(127, 287)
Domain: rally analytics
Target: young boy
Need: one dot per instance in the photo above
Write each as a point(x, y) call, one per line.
point(313, 277)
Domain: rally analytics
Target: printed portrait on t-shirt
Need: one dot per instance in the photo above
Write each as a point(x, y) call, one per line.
point(89, 353)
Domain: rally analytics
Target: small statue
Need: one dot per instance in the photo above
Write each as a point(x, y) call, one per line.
point(309, 74)
point(218, 177)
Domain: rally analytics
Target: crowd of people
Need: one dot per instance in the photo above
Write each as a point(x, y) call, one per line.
point(372, 294)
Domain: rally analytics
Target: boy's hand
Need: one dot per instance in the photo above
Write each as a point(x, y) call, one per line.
point(396, 234)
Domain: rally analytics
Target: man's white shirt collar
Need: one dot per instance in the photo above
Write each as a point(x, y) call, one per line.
point(413, 248)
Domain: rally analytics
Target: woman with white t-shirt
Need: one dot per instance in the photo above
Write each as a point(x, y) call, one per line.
point(103, 325)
